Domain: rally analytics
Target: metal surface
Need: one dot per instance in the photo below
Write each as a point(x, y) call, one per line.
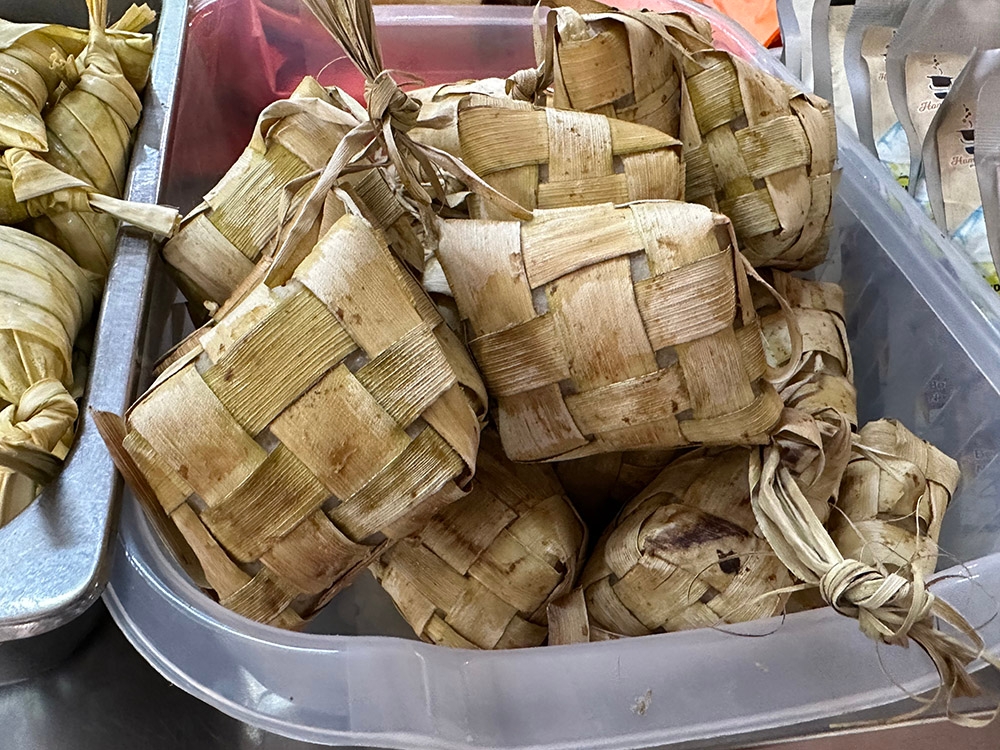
point(106, 697)
point(53, 557)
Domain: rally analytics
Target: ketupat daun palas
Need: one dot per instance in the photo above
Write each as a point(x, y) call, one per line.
point(44, 299)
point(236, 224)
point(683, 554)
point(755, 149)
point(602, 329)
point(481, 573)
point(550, 158)
point(894, 496)
point(341, 411)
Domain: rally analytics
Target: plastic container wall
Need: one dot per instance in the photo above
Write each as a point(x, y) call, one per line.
point(924, 331)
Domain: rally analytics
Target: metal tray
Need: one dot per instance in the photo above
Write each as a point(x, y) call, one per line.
point(54, 556)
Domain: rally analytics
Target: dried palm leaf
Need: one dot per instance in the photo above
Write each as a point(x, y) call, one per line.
point(755, 149)
point(89, 137)
point(221, 240)
point(891, 606)
point(482, 572)
point(820, 387)
point(684, 554)
point(36, 59)
point(438, 122)
point(550, 158)
point(44, 190)
point(893, 499)
point(44, 301)
point(610, 63)
point(602, 329)
point(341, 412)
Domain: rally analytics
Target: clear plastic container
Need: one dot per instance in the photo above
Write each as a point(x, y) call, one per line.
point(923, 327)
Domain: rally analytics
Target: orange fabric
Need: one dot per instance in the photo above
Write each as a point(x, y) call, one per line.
point(759, 17)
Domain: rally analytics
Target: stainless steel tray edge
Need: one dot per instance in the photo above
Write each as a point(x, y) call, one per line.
point(54, 557)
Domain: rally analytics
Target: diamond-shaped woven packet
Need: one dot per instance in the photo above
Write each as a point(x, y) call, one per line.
point(482, 572)
point(601, 329)
point(755, 149)
point(763, 154)
point(684, 554)
point(222, 239)
point(551, 158)
point(612, 64)
point(327, 410)
point(892, 502)
point(45, 299)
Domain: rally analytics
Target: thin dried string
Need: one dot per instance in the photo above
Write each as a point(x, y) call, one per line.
point(392, 113)
point(890, 608)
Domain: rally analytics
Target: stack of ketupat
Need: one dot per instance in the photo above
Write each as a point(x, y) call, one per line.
point(607, 321)
point(69, 104)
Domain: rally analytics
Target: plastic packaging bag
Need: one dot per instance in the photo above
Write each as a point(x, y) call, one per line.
point(949, 163)
point(987, 148)
point(830, 22)
point(795, 20)
point(873, 25)
point(932, 45)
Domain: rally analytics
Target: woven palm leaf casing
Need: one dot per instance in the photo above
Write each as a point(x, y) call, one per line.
point(437, 125)
point(895, 492)
point(682, 555)
point(222, 239)
point(612, 64)
point(600, 329)
point(550, 158)
point(44, 301)
point(482, 572)
point(755, 149)
point(340, 410)
point(763, 154)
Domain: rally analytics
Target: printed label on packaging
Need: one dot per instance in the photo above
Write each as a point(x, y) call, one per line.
point(928, 81)
point(963, 207)
point(890, 138)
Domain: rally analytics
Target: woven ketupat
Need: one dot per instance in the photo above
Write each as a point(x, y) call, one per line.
point(612, 64)
point(550, 158)
point(763, 154)
point(600, 329)
point(895, 492)
point(482, 572)
point(755, 149)
point(682, 555)
point(313, 419)
point(220, 240)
